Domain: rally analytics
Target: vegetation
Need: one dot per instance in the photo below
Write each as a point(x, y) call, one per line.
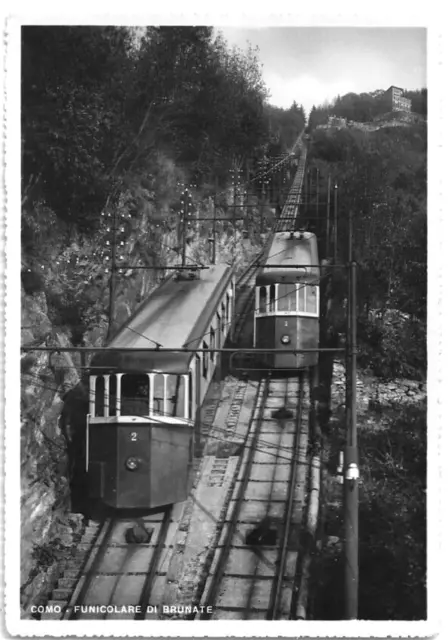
point(381, 179)
point(392, 520)
point(117, 122)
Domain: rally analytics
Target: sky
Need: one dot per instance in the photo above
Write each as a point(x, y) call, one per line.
point(314, 64)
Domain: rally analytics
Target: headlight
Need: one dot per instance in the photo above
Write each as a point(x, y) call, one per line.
point(285, 339)
point(131, 464)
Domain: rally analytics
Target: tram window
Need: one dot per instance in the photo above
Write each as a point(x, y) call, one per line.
point(218, 330)
point(286, 300)
point(135, 395)
point(223, 319)
point(311, 300)
point(271, 303)
point(190, 396)
point(113, 395)
point(212, 343)
point(204, 360)
point(99, 396)
point(262, 303)
point(175, 396)
point(302, 293)
point(159, 394)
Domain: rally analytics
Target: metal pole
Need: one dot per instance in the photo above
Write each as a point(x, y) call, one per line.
point(317, 197)
point(235, 189)
point(113, 278)
point(327, 236)
point(184, 229)
point(351, 468)
point(305, 185)
point(214, 232)
point(314, 391)
point(335, 248)
point(351, 475)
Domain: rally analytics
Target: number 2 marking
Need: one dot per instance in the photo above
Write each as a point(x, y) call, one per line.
point(134, 436)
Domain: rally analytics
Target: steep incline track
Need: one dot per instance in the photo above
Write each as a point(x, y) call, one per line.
point(270, 487)
point(117, 573)
point(287, 220)
point(253, 572)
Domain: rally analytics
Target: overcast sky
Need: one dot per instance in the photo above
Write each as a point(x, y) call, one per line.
point(312, 64)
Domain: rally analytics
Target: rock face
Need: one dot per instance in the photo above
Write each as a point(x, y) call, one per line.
point(54, 402)
point(47, 530)
point(372, 392)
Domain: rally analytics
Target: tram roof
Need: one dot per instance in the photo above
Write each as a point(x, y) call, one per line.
point(290, 248)
point(175, 315)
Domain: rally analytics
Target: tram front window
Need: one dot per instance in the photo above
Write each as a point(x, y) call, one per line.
point(312, 300)
point(262, 303)
point(159, 395)
point(286, 297)
point(135, 395)
point(169, 395)
point(175, 392)
point(271, 302)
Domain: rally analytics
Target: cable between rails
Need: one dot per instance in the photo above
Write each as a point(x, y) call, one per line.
point(276, 594)
point(210, 594)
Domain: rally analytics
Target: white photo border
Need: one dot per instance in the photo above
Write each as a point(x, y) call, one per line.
point(437, 230)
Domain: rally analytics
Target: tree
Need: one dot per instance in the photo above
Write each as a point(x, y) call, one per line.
point(382, 180)
point(74, 86)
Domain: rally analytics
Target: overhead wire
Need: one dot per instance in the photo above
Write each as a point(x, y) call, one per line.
point(223, 431)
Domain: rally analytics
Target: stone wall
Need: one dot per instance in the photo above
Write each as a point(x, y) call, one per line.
point(372, 392)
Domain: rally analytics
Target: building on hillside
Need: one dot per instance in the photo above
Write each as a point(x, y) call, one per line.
point(395, 99)
point(334, 121)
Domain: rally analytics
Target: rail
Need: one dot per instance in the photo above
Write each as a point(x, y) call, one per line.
point(106, 553)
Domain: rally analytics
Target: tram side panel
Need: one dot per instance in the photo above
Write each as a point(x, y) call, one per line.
point(264, 338)
point(170, 461)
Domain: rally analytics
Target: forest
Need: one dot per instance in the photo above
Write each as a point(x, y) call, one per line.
point(122, 120)
point(381, 180)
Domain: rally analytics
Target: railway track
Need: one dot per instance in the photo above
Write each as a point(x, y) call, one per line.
point(245, 283)
point(256, 558)
point(118, 574)
point(269, 487)
point(287, 220)
point(261, 568)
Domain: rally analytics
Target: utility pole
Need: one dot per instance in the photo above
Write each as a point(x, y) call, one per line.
point(317, 197)
point(305, 186)
point(214, 232)
point(113, 277)
point(186, 204)
point(335, 248)
point(351, 468)
point(327, 235)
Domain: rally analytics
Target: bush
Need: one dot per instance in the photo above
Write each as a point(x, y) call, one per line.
point(393, 346)
point(392, 518)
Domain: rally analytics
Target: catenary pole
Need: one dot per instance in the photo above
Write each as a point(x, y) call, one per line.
point(113, 277)
point(351, 469)
point(327, 235)
point(214, 232)
point(335, 225)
